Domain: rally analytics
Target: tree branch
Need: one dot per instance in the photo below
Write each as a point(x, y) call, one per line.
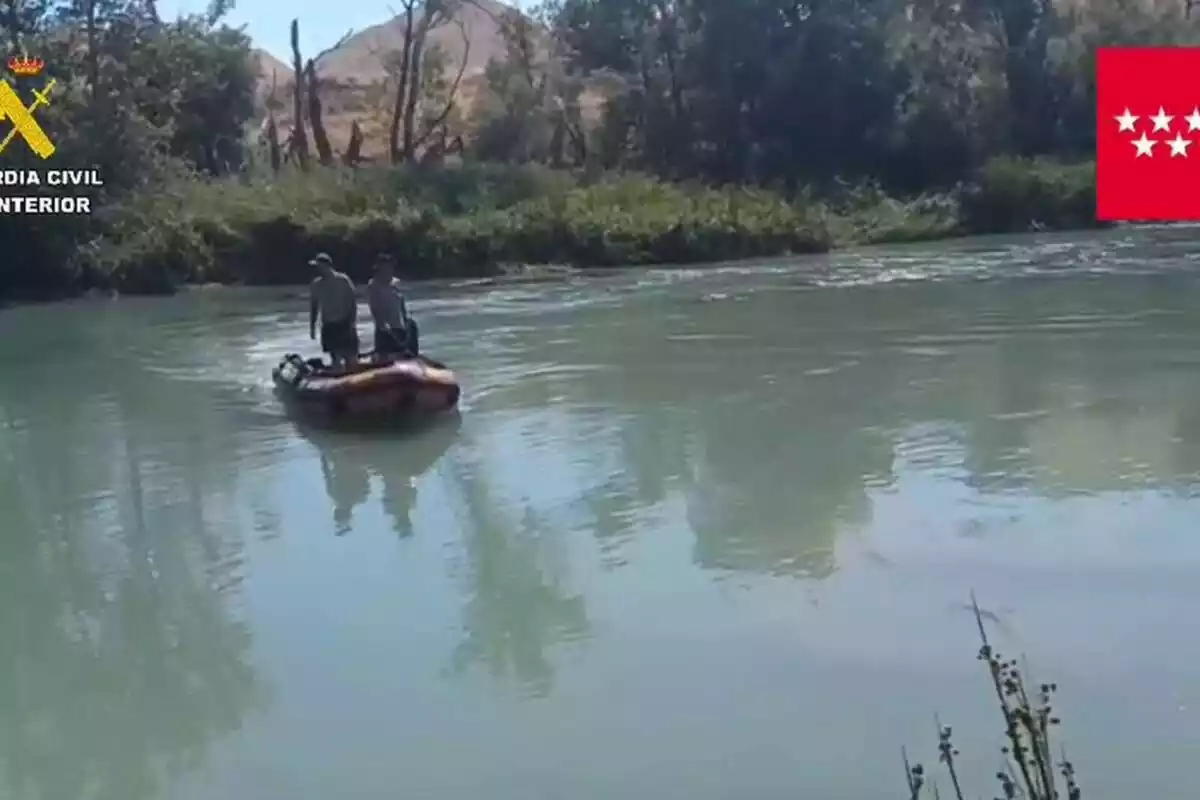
point(452, 93)
point(345, 38)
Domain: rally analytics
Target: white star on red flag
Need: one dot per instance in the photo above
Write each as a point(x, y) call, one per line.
point(1126, 121)
point(1147, 169)
point(1144, 145)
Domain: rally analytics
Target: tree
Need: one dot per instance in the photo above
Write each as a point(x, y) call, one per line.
point(407, 68)
point(142, 99)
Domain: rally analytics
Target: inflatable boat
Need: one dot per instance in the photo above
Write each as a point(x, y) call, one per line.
point(371, 390)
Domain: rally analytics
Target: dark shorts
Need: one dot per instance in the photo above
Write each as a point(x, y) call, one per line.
point(339, 338)
point(397, 341)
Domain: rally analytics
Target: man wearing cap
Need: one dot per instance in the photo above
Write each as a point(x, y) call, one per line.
point(395, 331)
point(333, 298)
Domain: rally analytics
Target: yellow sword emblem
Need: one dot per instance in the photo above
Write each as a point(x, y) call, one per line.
point(12, 109)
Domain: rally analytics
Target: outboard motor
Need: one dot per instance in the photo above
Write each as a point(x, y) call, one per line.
point(293, 369)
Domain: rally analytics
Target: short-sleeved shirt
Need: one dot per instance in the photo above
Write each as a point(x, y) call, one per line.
point(387, 303)
point(335, 297)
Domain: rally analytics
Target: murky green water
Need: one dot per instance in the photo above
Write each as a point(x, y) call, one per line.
point(699, 534)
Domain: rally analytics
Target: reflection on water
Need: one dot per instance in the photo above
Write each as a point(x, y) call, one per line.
point(773, 496)
point(516, 602)
point(350, 459)
point(783, 433)
point(123, 661)
point(697, 533)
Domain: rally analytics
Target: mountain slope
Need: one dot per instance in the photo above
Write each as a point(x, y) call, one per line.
point(352, 75)
point(361, 58)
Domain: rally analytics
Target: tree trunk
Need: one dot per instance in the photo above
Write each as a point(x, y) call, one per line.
point(557, 138)
point(320, 139)
point(401, 104)
point(354, 148)
point(273, 142)
point(299, 139)
point(578, 137)
point(439, 122)
point(413, 92)
point(668, 41)
point(435, 153)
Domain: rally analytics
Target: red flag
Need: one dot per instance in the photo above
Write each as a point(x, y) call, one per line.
point(1148, 133)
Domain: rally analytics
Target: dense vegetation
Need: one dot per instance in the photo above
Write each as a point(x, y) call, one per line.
point(616, 131)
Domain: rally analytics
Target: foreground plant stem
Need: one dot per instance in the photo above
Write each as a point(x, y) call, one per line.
point(1026, 728)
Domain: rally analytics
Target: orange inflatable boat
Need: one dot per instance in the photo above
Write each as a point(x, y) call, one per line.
point(373, 389)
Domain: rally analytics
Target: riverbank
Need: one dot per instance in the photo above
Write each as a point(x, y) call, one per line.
point(472, 220)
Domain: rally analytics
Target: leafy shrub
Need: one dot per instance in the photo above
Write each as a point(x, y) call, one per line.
point(1013, 194)
point(263, 228)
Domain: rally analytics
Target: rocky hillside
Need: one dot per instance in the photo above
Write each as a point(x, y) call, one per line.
point(353, 74)
point(361, 58)
point(268, 65)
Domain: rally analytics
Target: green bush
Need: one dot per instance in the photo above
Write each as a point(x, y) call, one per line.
point(1013, 194)
point(868, 215)
point(472, 220)
point(438, 223)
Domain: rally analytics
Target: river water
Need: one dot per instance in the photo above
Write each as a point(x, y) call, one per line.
point(698, 534)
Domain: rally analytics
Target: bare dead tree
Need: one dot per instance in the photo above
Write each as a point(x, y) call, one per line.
point(306, 101)
point(272, 136)
point(435, 14)
point(315, 117)
point(271, 130)
point(298, 141)
point(353, 155)
point(571, 123)
point(420, 18)
point(439, 121)
point(291, 149)
point(399, 104)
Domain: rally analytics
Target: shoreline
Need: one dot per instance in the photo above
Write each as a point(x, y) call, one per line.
point(518, 273)
point(488, 221)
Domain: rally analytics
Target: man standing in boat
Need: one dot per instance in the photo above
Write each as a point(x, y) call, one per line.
point(334, 300)
point(395, 331)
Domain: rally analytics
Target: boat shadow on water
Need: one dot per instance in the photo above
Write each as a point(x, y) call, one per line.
point(398, 454)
